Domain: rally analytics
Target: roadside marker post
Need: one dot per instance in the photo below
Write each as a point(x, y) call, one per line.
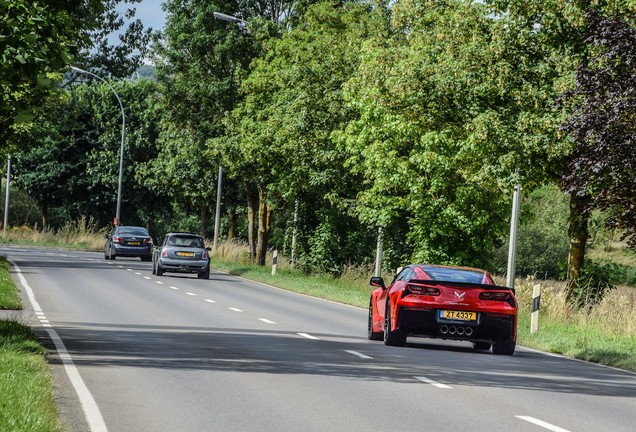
point(274, 260)
point(536, 305)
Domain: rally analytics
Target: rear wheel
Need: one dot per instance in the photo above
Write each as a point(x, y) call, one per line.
point(372, 335)
point(204, 275)
point(159, 270)
point(504, 347)
point(111, 254)
point(392, 338)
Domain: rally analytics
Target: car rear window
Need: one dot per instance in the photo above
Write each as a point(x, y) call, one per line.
point(196, 242)
point(454, 275)
point(133, 231)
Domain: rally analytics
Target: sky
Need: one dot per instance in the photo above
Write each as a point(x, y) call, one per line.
point(150, 13)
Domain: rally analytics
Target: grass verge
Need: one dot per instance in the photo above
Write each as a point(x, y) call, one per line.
point(26, 391)
point(9, 298)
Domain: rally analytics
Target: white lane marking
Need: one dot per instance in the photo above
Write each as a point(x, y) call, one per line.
point(91, 410)
point(129, 269)
point(431, 382)
point(174, 288)
point(357, 354)
point(265, 320)
point(543, 424)
point(308, 336)
point(190, 294)
point(235, 309)
point(209, 301)
point(147, 277)
point(137, 273)
point(159, 282)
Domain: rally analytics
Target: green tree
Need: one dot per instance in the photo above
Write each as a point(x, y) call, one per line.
point(72, 168)
point(293, 102)
point(39, 39)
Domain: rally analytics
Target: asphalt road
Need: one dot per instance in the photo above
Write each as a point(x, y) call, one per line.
point(175, 353)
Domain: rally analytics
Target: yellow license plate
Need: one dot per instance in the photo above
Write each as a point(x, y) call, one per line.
point(134, 243)
point(185, 254)
point(458, 315)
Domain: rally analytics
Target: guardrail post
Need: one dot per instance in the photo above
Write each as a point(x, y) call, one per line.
point(536, 304)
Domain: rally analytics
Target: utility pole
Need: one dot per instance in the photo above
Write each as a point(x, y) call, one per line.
point(512, 248)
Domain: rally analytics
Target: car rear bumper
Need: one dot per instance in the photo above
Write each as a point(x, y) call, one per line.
point(184, 266)
point(132, 251)
point(487, 327)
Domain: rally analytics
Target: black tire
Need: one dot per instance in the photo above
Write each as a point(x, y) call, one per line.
point(482, 346)
point(370, 333)
point(504, 347)
point(392, 338)
point(154, 268)
point(111, 254)
point(159, 271)
point(204, 275)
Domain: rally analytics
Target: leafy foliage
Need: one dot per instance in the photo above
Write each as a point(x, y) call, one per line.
point(603, 163)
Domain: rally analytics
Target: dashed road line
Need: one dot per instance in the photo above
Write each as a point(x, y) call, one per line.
point(308, 336)
point(358, 354)
point(431, 382)
point(235, 309)
point(265, 320)
point(209, 300)
point(190, 294)
point(541, 423)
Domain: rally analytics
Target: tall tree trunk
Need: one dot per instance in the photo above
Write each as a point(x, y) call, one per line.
point(251, 216)
point(204, 220)
point(578, 233)
point(233, 222)
point(264, 226)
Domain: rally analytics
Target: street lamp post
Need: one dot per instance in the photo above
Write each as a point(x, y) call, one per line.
point(123, 139)
point(217, 218)
point(225, 17)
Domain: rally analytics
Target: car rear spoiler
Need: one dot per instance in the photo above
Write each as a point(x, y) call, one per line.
point(460, 284)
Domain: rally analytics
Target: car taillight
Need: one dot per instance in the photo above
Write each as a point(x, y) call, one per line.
point(148, 241)
point(164, 253)
point(205, 255)
point(118, 239)
point(421, 290)
point(497, 296)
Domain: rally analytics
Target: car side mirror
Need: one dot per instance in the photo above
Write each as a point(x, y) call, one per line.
point(377, 281)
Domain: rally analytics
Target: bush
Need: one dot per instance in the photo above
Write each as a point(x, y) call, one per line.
point(598, 279)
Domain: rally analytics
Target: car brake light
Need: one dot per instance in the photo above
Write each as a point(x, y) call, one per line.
point(147, 241)
point(164, 253)
point(118, 239)
point(422, 290)
point(205, 255)
point(497, 296)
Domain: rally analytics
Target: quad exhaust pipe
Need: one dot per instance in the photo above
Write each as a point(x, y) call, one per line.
point(456, 330)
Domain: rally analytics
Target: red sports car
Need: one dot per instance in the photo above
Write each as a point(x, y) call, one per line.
point(444, 302)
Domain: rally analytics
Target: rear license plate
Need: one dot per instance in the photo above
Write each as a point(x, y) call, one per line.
point(134, 243)
point(185, 254)
point(458, 315)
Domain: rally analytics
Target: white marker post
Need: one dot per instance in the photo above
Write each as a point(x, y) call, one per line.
point(536, 304)
point(275, 259)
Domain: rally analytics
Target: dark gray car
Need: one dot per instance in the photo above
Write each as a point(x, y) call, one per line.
point(128, 241)
point(182, 252)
